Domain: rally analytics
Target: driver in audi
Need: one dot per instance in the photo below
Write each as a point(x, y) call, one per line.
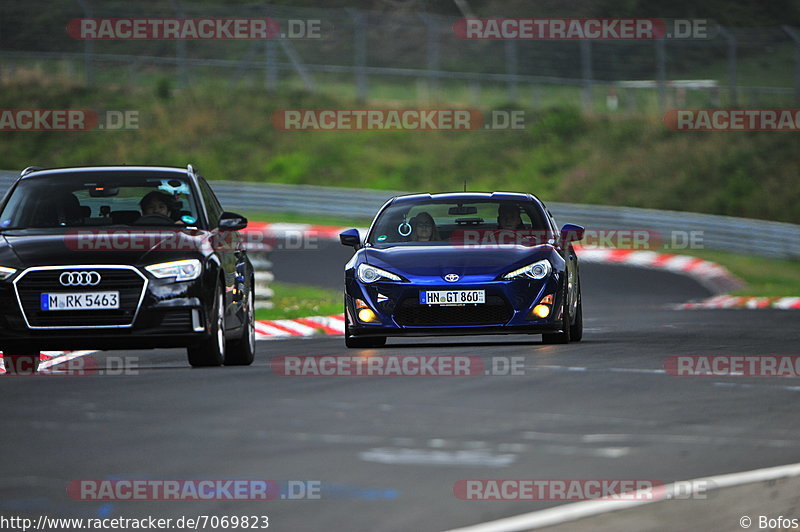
point(157, 203)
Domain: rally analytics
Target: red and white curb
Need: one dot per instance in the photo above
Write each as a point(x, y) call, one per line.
point(265, 330)
point(710, 274)
point(734, 302)
point(324, 232)
point(48, 359)
point(311, 326)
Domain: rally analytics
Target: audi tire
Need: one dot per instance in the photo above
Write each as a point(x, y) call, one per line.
point(242, 351)
point(212, 351)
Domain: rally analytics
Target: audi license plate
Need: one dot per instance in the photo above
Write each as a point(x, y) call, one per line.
point(80, 301)
point(452, 297)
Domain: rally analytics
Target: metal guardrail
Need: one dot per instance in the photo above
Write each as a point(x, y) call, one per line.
point(738, 235)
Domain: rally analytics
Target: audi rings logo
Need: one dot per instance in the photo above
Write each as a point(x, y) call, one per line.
point(79, 279)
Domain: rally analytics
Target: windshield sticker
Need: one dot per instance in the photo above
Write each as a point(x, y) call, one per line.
point(174, 187)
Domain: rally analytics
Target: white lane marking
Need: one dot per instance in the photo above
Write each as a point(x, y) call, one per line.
point(741, 385)
point(597, 370)
point(583, 509)
point(695, 439)
point(385, 455)
point(595, 452)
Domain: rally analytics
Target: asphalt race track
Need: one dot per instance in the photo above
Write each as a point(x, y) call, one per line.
point(389, 450)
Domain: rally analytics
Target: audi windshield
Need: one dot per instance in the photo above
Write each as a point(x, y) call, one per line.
point(92, 199)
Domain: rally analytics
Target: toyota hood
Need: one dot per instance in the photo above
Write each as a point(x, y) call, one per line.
point(438, 261)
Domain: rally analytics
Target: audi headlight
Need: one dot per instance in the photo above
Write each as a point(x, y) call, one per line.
point(5, 273)
point(181, 270)
point(369, 274)
point(537, 270)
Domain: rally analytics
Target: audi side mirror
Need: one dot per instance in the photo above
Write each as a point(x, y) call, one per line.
point(571, 233)
point(230, 221)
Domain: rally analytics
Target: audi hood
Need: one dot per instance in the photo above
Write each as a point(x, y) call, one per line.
point(32, 247)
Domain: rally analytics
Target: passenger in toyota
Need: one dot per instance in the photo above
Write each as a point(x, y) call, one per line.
point(508, 217)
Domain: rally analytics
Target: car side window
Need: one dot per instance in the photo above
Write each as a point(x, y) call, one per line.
point(213, 207)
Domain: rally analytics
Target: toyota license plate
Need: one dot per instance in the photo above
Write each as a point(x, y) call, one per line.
point(452, 297)
point(80, 301)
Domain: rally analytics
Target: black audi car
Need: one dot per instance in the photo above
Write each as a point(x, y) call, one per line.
point(122, 257)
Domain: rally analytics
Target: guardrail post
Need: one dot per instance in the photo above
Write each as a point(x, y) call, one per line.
point(661, 73)
point(271, 69)
point(88, 46)
point(511, 70)
point(586, 74)
point(795, 36)
point(433, 53)
point(263, 277)
point(359, 53)
point(732, 66)
point(180, 47)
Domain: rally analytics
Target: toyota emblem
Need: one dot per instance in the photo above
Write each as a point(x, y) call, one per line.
point(79, 279)
point(452, 277)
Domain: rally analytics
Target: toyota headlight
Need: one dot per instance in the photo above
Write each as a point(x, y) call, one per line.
point(5, 273)
point(369, 274)
point(181, 270)
point(537, 270)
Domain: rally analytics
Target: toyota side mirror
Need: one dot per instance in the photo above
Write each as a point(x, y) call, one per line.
point(351, 238)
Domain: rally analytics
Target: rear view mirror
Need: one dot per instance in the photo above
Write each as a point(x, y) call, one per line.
point(103, 192)
point(462, 210)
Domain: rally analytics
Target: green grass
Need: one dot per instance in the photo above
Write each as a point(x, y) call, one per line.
point(301, 301)
point(560, 155)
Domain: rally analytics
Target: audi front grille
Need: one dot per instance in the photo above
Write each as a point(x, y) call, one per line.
point(127, 280)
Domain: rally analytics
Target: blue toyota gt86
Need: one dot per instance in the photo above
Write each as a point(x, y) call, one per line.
point(459, 264)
